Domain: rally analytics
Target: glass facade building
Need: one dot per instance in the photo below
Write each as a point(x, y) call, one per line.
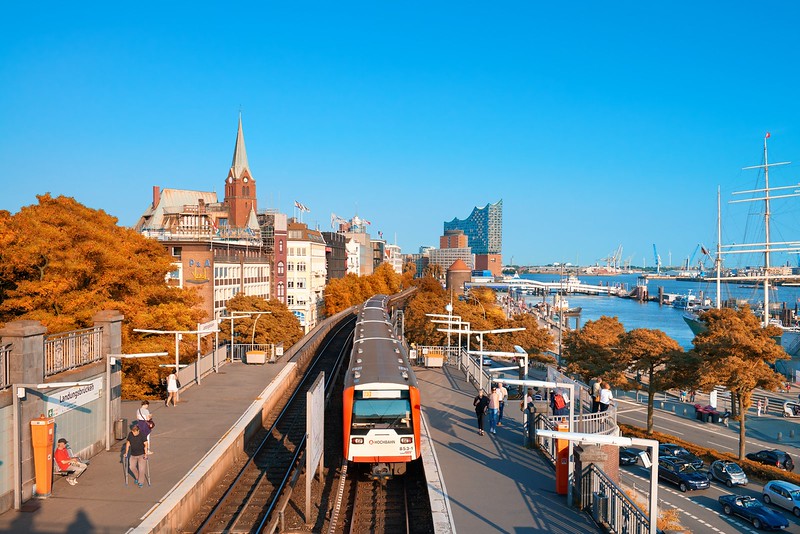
point(483, 227)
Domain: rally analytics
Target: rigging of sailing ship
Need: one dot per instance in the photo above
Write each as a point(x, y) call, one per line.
point(790, 338)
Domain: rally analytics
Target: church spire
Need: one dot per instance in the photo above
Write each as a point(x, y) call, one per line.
point(239, 163)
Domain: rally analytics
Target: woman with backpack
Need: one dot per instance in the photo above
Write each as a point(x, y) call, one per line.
point(481, 404)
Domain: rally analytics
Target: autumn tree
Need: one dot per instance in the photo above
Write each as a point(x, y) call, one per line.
point(736, 352)
point(353, 290)
point(534, 339)
point(593, 350)
point(62, 262)
point(649, 352)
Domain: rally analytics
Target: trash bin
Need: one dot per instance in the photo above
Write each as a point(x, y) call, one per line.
point(120, 429)
point(715, 417)
point(599, 507)
point(700, 415)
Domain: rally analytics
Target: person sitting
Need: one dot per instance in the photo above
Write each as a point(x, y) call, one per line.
point(68, 463)
point(796, 409)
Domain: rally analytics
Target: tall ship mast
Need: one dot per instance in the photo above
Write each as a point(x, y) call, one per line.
point(790, 340)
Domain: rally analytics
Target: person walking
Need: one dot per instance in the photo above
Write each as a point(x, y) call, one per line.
point(503, 393)
point(494, 407)
point(760, 407)
point(527, 417)
point(145, 422)
point(481, 404)
point(172, 389)
point(766, 405)
point(605, 396)
point(596, 394)
point(136, 447)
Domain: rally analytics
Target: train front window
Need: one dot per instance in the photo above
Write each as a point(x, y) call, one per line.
point(382, 413)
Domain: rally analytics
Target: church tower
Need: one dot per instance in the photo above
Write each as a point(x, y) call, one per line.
point(240, 188)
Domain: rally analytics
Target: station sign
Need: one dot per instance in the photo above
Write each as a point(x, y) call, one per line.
point(70, 398)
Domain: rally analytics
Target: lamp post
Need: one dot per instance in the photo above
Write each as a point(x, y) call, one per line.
point(241, 315)
point(480, 353)
point(599, 439)
point(19, 393)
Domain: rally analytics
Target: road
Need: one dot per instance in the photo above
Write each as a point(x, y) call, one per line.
point(699, 510)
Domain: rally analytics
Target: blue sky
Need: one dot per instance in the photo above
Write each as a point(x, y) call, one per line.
point(598, 124)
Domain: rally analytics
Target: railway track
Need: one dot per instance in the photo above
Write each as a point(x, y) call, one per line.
point(397, 505)
point(250, 499)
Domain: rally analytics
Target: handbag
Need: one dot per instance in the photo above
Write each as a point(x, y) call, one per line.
point(151, 424)
point(178, 382)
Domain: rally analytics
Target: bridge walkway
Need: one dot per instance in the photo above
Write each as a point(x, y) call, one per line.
point(492, 482)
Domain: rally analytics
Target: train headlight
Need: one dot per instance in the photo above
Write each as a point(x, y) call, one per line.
point(406, 440)
point(357, 441)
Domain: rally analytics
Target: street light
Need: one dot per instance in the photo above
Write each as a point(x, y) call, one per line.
point(19, 393)
point(481, 333)
point(619, 441)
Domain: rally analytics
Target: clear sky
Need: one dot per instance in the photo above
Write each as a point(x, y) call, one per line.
point(598, 124)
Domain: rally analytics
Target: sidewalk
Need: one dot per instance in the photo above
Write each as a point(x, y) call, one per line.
point(101, 503)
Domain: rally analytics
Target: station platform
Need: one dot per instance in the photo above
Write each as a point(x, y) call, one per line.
point(101, 503)
point(492, 482)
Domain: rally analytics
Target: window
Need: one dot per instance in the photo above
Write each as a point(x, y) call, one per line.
point(290, 266)
point(290, 300)
point(281, 290)
point(290, 284)
point(280, 268)
point(301, 284)
point(301, 266)
point(176, 251)
point(280, 245)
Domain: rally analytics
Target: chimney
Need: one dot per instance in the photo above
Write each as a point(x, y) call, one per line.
point(156, 195)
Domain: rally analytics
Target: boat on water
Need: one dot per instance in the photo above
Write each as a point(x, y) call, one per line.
point(766, 275)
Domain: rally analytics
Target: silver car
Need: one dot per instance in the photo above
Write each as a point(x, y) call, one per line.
point(783, 494)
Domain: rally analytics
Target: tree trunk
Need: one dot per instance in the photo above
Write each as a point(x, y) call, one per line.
point(740, 404)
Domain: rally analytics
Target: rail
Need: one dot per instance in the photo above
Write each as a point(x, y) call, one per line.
point(609, 504)
point(68, 350)
point(5, 356)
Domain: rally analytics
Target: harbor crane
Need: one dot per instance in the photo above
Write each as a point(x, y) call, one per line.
point(657, 258)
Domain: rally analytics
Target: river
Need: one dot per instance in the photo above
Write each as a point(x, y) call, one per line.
point(633, 314)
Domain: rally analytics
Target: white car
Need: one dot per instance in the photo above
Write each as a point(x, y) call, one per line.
point(783, 494)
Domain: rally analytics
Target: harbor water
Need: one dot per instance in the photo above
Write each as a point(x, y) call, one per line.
point(633, 314)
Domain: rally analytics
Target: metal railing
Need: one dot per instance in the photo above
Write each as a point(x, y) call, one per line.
point(5, 356)
point(68, 350)
point(608, 504)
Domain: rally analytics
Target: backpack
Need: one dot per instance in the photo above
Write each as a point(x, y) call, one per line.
point(558, 401)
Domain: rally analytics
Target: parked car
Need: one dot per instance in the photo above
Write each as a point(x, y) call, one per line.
point(628, 456)
point(728, 473)
point(683, 474)
point(670, 449)
point(752, 510)
point(487, 361)
point(783, 494)
point(774, 457)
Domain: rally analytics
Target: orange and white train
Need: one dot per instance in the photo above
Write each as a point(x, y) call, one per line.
point(381, 399)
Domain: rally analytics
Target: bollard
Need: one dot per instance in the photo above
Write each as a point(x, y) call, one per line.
point(673, 409)
point(684, 411)
point(780, 436)
point(791, 433)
